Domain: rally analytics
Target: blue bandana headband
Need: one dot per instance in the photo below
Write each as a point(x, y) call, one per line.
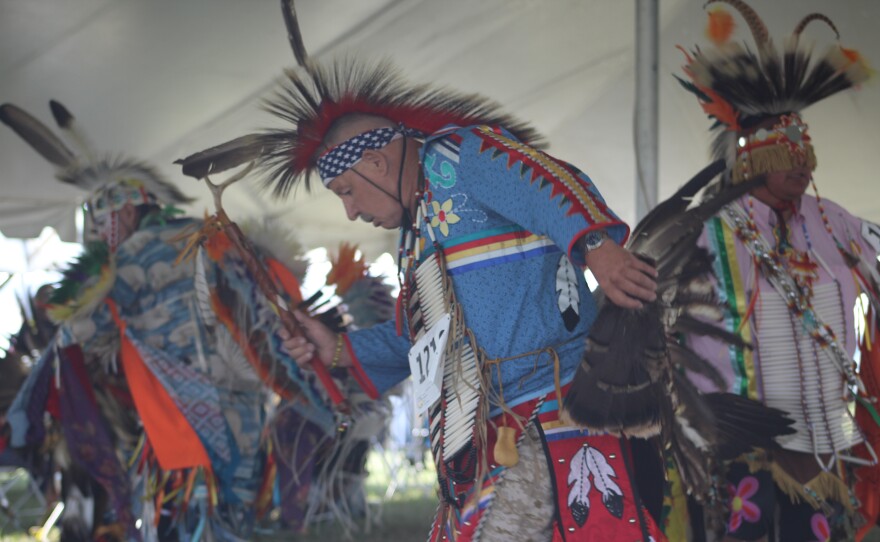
point(344, 156)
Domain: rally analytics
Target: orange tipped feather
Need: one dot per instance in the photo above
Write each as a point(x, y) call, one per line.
point(855, 57)
point(717, 108)
point(720, 109)
point(346, 269)
point(720, 26)
point(851, 54)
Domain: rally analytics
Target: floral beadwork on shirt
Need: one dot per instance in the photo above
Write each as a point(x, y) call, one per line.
point(451, 211)
point(443, 216)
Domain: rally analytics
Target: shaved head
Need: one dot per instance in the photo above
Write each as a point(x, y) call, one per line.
point(376, 184)
point(348, 126)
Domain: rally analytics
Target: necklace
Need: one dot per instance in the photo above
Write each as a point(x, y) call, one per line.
point(799, 304)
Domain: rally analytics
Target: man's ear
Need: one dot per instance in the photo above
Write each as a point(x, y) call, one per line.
point(375, 161)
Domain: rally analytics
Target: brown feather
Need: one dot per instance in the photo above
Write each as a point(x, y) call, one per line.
point(37, 135)
point(294, 36)
point(223, 157)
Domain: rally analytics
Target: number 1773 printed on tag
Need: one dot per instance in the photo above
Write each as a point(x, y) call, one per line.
point(426, 363)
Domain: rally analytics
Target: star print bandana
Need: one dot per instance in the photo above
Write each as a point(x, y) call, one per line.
point(344, 156)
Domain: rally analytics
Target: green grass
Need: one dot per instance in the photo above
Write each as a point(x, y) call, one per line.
point(15, 528)
point(401, 515)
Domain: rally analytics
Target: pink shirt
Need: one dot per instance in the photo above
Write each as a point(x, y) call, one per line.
point(806, 232)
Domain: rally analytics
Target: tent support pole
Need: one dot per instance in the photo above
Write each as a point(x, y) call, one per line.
point(646, 107)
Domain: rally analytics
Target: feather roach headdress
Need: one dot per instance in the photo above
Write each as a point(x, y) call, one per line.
point(755, 95)
point(314, 96)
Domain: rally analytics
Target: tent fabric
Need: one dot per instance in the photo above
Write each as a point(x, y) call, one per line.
point(162, 79)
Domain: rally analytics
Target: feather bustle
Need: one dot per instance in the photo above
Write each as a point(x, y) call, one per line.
point(631, 378)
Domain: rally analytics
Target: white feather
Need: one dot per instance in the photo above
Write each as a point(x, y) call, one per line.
point(603, 478)
point(568, 296)
point(603, 473)
point(203, 290)
point(692, 434)
point(579, 480)
point(566, 285)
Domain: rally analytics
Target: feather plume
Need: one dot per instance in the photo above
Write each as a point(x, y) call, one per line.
point(367, 298)
point(93, 173)
point(203, 290)
point(720, 26)
point(631, 377)
point(66, 121)
point(313, 98)
point(346, 268)
point(84, 284)
point(814, 17)
point(223, 157)
point(110, 170)
point(756, 25)
point(294, 36)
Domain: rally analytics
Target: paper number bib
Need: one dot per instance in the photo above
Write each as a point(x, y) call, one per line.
point(426, 364)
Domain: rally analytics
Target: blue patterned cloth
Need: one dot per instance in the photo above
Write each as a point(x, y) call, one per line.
point(344, 156)
point(193, 356)
point(507, 218)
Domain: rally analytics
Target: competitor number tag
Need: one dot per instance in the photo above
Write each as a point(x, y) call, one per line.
point(871, 233)
point(426, 364)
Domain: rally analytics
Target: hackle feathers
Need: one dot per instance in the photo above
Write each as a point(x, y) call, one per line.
point(312, 97)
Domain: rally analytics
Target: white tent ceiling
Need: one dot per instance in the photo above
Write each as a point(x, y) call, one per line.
point(160, 79)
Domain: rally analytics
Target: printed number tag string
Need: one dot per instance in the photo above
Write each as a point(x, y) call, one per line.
point(267, 287)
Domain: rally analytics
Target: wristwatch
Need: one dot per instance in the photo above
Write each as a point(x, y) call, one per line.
point(594, 240)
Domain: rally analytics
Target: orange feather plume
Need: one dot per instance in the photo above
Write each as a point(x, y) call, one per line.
point(855, 57)
point(347, 269)
point(720, 26)
point(720, 109)
point(716, 107)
